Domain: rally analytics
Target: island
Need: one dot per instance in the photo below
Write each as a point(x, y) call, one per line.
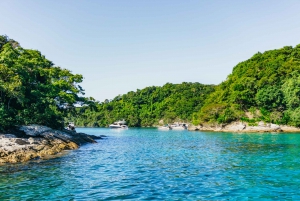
point(260, 95)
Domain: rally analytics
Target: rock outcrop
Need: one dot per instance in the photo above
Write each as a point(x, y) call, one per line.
point(244, 127)
point(36, 141)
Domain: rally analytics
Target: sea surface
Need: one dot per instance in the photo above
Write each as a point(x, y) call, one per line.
point(148, 164)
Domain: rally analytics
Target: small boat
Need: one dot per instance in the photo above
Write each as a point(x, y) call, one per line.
point(178, 126)
point(165, 127)
point(119, 124)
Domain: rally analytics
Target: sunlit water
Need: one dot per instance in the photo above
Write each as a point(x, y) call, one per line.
point(147, 164)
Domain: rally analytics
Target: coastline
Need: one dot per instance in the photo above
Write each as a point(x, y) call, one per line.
point(236, 126)
point(239, 126)
point(35, 141)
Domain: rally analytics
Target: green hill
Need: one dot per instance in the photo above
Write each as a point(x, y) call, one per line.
point(147, 106)
point(265, 87)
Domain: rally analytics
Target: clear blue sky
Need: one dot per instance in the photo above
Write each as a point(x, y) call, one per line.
point(120, 46)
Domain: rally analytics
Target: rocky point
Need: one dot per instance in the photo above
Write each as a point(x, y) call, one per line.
point(35, 141)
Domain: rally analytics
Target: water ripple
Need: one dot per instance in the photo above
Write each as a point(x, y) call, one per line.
point(146, 164)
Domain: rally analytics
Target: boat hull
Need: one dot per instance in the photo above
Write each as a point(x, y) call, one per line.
point(164, 128)
point(118, 126)
point(178, 128)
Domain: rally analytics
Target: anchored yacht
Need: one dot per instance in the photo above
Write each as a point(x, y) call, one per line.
point(119, 124)
point(165, 127)
point(178, 126)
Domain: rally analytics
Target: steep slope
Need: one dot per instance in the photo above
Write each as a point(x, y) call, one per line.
point(265, 87)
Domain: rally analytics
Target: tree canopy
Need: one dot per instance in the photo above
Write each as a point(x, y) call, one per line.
point(148, 106)
point(32, 89)
point(266, 85)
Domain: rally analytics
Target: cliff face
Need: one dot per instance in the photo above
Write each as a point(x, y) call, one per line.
point(244, 127)
point(35, 141)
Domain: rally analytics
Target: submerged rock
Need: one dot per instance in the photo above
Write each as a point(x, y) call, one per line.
point(39, 142)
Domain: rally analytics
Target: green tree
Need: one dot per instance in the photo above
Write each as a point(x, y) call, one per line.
point(270, 97)
point(32, 89)
point(291, 90)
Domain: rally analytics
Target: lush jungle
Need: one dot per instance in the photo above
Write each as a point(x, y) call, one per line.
point(34, 91)
point(265, 87)
point(146, 107)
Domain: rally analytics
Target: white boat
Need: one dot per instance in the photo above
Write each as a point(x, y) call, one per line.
point(178, 126)
point(165, 127)
point(119, 124)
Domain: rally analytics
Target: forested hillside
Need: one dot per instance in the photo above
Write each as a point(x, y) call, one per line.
point(32, 89)
point(265, 87)
point(146, 107)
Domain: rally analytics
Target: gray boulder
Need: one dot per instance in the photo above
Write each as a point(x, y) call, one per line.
point(34, 130)
point(7, 136)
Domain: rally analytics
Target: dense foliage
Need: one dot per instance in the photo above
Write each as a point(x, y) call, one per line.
point(265, 87)
point(32, 89)
point(148, 106)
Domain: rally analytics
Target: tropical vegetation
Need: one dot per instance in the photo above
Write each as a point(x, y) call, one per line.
point(32, 89)
point(265, 87)
point(146, 107)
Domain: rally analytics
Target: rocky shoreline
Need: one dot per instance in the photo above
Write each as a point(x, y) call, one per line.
point(35, 141)
point(244, 127)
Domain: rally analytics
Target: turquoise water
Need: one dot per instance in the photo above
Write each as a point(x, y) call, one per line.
point(147, 164)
